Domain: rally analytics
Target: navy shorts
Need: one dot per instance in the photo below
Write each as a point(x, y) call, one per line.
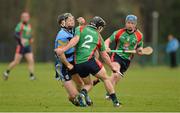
point(63, 72)
point(23, 50)
point(92, 66)
point(124, 63)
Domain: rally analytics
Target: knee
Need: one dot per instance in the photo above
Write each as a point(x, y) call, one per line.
point(80, 83)
point(105, 78)
point(31, 62)
point(16, 62)
point(116, 76)
point(90, 84)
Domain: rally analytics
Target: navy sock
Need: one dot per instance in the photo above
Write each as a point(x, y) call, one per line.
point(84, 91)
point(113, 97)
point(7, 71)
point(31, 74)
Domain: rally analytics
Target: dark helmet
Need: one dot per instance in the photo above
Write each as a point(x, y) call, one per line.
point(97, 22)
point(62, 17)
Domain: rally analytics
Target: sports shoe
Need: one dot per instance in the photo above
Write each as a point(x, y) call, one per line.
point(107, 97)
point(116, 103)
point(5, 76)
point(32, 77)
point(87, 99)
point(81, 100)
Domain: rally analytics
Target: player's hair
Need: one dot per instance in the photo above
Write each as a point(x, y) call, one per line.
point(25, 12)
point(63, 17)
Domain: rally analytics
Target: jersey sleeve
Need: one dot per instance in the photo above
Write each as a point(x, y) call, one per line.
point(18, 27)
point(17, 32)
point(77, 31)
point(140, 43)
point(113, 36)
point(61, 41)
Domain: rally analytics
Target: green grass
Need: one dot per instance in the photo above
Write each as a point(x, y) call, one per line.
point(143, 89)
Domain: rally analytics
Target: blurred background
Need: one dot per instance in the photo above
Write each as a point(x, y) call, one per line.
point(156, 19)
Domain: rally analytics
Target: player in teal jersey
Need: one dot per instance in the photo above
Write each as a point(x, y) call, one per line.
point(87, 40)
point(23, 35)
point(128, 38)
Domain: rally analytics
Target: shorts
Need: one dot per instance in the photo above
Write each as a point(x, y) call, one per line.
point(124, 63)
point(63, 72)
point(23, 50)
point(93, 66)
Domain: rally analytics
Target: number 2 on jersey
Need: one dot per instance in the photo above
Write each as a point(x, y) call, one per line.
point(88, 39)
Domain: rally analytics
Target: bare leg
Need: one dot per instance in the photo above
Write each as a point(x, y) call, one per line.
point(86, 88)
point(108, 86)
point(71, 89)
point(17, 59)
point(87, 83)
point(30, 60)
point(78, 81)
point(115, 77)
point(107, 83)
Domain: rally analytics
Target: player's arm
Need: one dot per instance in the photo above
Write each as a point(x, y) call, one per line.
point(81, 21)
point(17, 34)
point(106, 58)
point(60, 43)
point(109, 40)
point(71, 44)
point(140, 47)
point(31, 39)
point(104, 55)
point(63, 59)
point(96, 54)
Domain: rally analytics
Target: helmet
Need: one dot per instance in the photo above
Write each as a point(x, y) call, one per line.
point(131, 18)
point(97, 22)
point(63, 16)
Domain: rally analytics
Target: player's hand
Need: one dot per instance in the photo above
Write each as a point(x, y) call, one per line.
point(139, 51)
point(81, 21)
point(115, 67)
point(23, 41)
point(70, 66)
point(31, 40)
point(59, 51)
point(108, 50)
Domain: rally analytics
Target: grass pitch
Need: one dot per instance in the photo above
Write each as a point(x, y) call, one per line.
point(143, 89)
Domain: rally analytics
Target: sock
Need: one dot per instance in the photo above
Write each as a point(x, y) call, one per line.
point(95, 82)
point(84, 91)
point(7, 71)
point(107, 94)
point(31, 74)
point(113, 97)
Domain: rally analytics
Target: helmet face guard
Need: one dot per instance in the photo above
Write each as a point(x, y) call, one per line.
point(97, 22)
